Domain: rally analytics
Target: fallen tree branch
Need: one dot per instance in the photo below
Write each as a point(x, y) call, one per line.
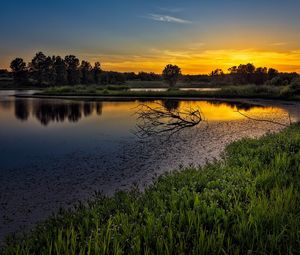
point(264, 120)
point(160, 120)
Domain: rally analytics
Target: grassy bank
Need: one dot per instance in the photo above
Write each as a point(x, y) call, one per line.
point(246, 204)
point(243, 91)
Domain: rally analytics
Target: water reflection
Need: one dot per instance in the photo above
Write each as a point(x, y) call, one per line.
point(21, 110)
point(236, 105)
point(49, 111)
point(170, 104)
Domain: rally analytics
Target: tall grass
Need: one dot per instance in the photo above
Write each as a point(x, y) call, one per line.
point(248, 203)
point(242, 91)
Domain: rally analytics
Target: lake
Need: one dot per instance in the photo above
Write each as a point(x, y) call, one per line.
point(54, 152)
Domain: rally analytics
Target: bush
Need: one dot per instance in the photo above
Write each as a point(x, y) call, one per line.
point(295, 85)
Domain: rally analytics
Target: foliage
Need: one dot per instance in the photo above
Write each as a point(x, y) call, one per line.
point(171, 74)
point(20, 74)
point(246, 204)
point(57, 71)
point(242, 91)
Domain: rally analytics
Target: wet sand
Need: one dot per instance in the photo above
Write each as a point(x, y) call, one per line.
point(28, 196)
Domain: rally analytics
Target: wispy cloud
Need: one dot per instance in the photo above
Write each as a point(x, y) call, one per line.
point(172, 10)
point(278, 44)
point(166, 18)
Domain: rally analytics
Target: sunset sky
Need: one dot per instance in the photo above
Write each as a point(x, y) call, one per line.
point(135, 35)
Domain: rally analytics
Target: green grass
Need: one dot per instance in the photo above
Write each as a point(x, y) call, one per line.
point(248, 203)
point(85, 89)
point(163, 84)
point(242, 91)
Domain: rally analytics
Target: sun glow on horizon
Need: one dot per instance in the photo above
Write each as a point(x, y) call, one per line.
point(192, 62)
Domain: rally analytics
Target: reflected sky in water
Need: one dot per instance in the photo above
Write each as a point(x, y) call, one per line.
point(38, 129)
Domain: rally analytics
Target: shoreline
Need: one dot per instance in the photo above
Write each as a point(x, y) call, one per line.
point(133, 163)
point(249, 100)
point(198, 190)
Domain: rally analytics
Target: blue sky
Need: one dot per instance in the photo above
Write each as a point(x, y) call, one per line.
point(133, 35)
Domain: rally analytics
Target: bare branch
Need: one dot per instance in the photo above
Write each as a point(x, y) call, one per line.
point(264, 120)
point(159, 120)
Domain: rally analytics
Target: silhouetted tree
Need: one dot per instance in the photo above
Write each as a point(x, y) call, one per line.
point(112, 78)
point(19, 69)
point(39, 68)
point(60, 71)
point(143, 76)
point(171, 74)
point(272, 73)
point(242, 74)
point(73, 73)
point(97, 72)
point(131, 76)
point(86, 71)
point(217, 72)
point(4, 73)
point(260, 75)
point(245, 73)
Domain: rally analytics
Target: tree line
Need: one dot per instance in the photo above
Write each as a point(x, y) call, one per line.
point(237, 75)
point(244, 74)
point(45, 70)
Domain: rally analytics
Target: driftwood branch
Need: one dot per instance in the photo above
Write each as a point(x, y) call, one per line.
point(160, 120)
point(264, 120)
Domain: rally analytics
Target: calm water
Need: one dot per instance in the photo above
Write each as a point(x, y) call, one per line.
point(56, 152)
point(33, 130)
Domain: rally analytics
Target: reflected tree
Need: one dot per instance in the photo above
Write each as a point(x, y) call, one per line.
point(75, 112)
point(99, 107)
point(236, 105)
point(47, 111)
point(21, 110)
point(87, 109)
point(171, 104)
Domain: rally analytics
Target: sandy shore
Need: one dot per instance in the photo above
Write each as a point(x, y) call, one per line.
point(30, 195)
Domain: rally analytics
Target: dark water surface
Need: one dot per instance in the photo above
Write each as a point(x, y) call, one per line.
point(54, 152)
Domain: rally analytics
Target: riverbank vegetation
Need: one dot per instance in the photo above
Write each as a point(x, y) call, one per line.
point(290, 92)
point(248, 203)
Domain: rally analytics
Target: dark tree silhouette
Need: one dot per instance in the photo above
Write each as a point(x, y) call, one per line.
point(60, 71)
point(112, 78)
point(143, 76)
point(19, 69)
point(260, 75)
point(85, 69)
point(171, 74)
point(39, 68)
point(272, 73)
point(97, 72)
point(73, 73)
point(217, 72)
